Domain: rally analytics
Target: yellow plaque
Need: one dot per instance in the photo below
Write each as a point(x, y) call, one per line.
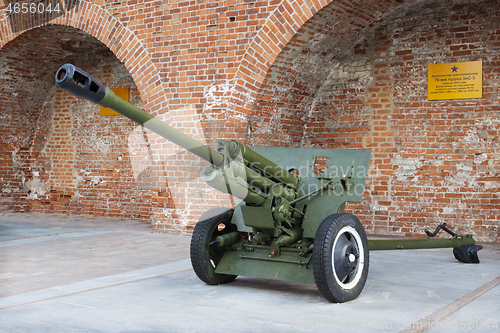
point(120, 92)
point(456, 80)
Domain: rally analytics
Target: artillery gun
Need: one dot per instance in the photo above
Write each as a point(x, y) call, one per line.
point(290, 222)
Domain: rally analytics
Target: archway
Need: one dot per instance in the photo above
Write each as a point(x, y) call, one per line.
point(60, 155)
point(356, 77)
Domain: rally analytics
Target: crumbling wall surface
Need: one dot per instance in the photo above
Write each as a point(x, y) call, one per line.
point(432, 161)
point(58, 154)
point(25, 116)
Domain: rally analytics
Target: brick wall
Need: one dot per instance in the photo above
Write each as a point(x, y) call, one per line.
point(432, 161)
point(332, 74)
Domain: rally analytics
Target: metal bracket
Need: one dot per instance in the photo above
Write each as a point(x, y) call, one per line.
point(442, 226)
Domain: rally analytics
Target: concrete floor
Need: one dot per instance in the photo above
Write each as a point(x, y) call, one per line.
point(88, 274)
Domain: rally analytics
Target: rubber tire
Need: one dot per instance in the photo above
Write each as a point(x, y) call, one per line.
point(202, 255)
point(324, 275)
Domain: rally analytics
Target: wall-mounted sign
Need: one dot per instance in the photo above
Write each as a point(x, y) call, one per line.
point(120, 92)
point(457, 80)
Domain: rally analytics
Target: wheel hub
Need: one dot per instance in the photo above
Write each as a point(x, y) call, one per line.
point(351, 257)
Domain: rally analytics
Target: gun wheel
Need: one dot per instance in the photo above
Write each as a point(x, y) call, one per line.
point(205, 258)
point(340, 258)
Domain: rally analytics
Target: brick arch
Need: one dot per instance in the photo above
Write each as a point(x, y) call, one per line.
point(282, 26)
point(99, 23)
point(272, 38)
point(380, 102)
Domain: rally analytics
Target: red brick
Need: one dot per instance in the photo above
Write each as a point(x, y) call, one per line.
point(178, 53)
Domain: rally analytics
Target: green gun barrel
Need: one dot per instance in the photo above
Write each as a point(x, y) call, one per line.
point(262, 175)
point(79, 83)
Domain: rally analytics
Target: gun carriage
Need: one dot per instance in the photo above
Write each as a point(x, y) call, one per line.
point(285, 226)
